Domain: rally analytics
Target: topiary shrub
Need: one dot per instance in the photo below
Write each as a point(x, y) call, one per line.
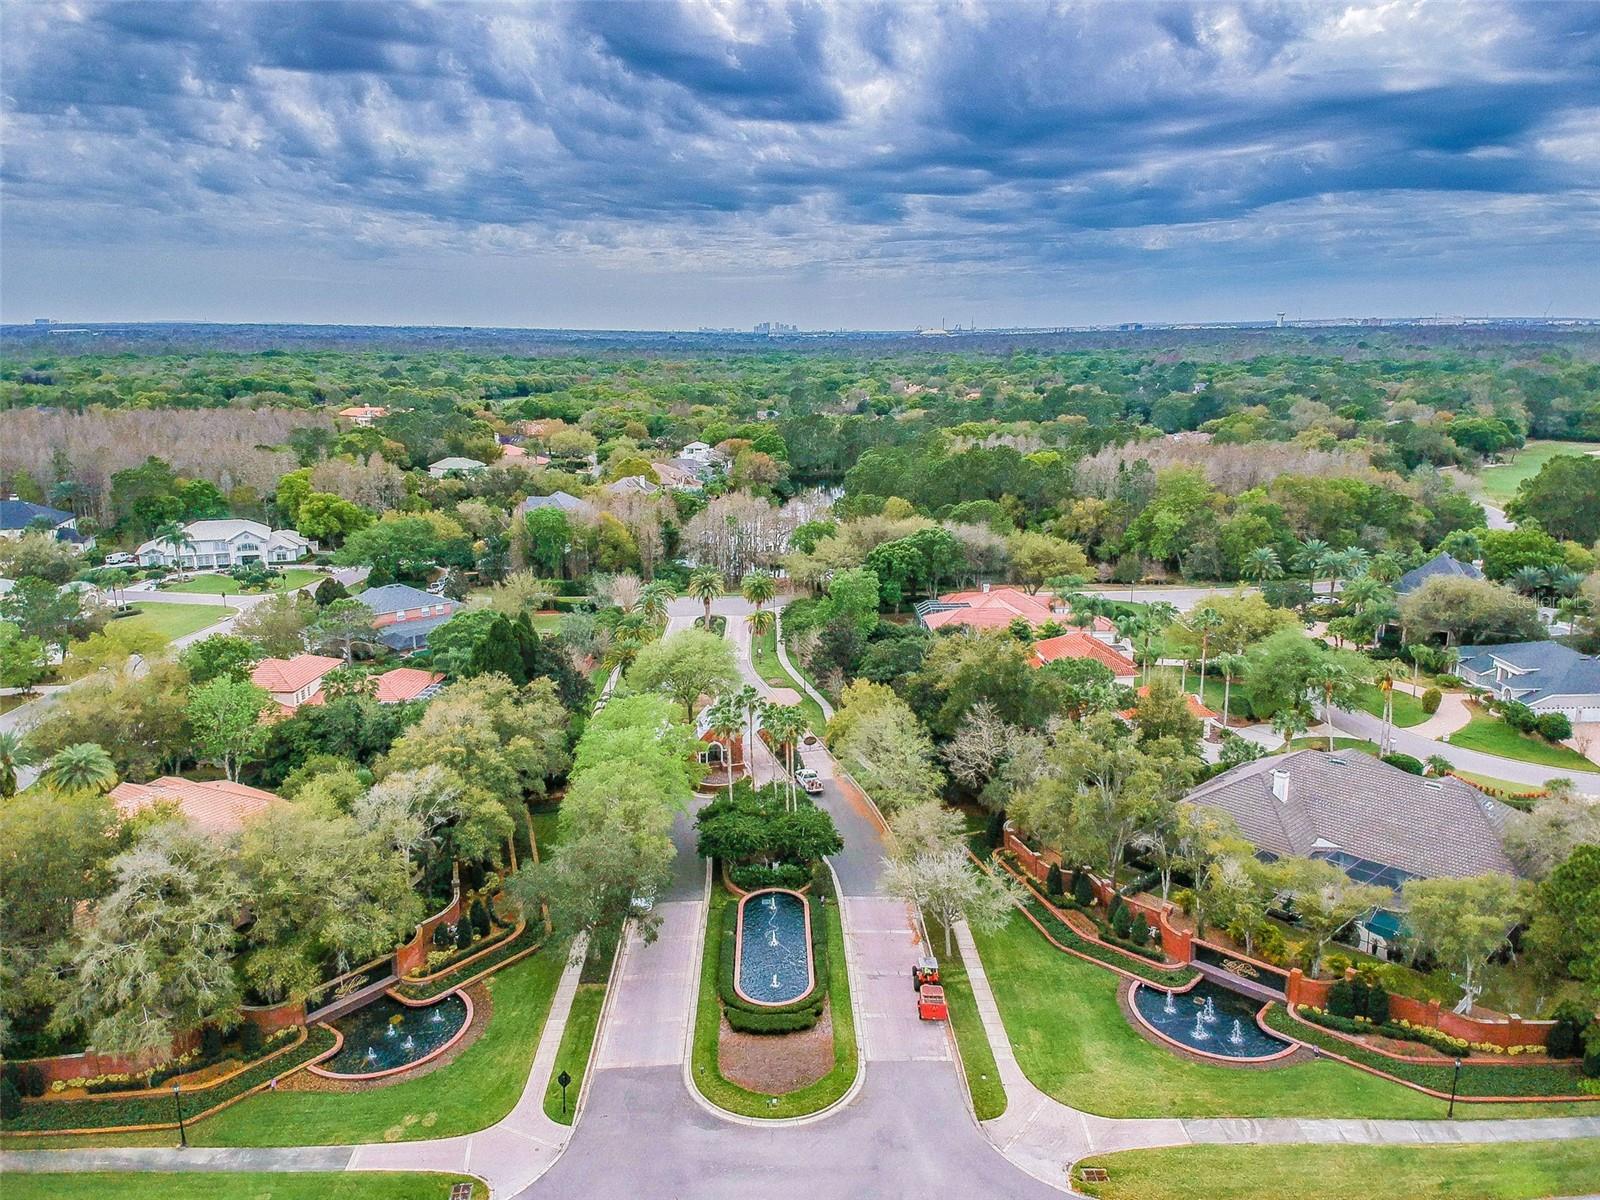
point(1405, 762)
point(480, 919)
point(1591, 1056)
point(1378, 1004)
point(1566, 1035)
point(1141, 931)
point(1082, 889)
point(210, 1042)
point(1121, 918)
point(463, 932)
point(1340, 1001)
point(443, 938)
point(1554, 727)
point(250, 1039)
point(1052, 880)
point(10, 1099)
point(30, 1081)
point(995, 832)
point(1431, 700)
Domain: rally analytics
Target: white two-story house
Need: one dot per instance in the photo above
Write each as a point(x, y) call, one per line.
point(226, 543)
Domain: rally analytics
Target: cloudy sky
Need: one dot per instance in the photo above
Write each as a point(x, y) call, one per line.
point(667, 165)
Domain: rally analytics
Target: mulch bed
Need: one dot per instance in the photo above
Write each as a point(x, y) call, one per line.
point(774, 1064)
point(482, 1010)
point(1125, 1003)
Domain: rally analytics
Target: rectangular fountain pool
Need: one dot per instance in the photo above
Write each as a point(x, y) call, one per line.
point(774, 955)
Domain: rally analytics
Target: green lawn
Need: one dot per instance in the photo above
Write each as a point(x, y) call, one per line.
point(473, 1092)
point(977, 1057)
point(214, 585)
point(1499, 785)
point(708, 1020)
point(1501, 1171)
point(1499, 484)
point(546, 622)
point(764, 657)
point(1490, 735)
point(1073, 1042)
point(1407, 708)
point(577, 1041)
point(175, 620)
point(236, 1185)
point(1339, 743)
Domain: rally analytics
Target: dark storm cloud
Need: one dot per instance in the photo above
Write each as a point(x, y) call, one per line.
point(1014, 134)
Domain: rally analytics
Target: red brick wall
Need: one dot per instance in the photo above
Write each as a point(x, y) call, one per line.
point(414, 954)
point(1513, 1031)
point(270, 1018)
point(90, 1063)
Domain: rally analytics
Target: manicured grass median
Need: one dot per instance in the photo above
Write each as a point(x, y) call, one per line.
point(1490, 735)
point(1339, 743)
point(708, 1021)
point(1072, 1040)
point(216, 585)
point(236, 1185)
point(473, 1092)
point(977, 1057)
point(577, 1038)
point(764, 657)
point(1407, 708)
point(1500, 1171)
point(175, 620)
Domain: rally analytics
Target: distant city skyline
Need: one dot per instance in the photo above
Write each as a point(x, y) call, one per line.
point(666, 166)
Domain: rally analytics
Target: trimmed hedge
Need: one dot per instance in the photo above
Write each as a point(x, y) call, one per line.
point(1070, 937)
point(49, 1115)
point(796, 1015)
point(1528, 1077)
point(530, 936)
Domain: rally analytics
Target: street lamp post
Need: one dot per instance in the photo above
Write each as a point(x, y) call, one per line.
point(1455, 1079)
point(177, 1102)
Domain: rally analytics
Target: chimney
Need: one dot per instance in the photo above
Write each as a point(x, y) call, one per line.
point(1280, 786)
point(986, 589)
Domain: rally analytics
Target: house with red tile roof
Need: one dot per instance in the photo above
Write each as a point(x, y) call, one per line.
point(407, 683)
point(213, 806)
point(363, 414)
point(1078, 644)
point(294, 681)
point(988, 608)
point(1197, 710)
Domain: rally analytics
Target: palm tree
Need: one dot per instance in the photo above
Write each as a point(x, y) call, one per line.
point(706, 585)
point(1385, 568)
point(84, 767)
point(14, 753)
point(749, 702)
point(176, 538)
point(1290, 721)
point(1206, 621)
point(1262, 564)
point(1230, 665)
point(759, 587)
point(762, 621)
point(1530, 581)
point(620, 653)
point(1311, 558)
point(786, 723)
point(655, 599)
point(1330, 677)
point(1564, 582)
point(67, 493)
point(725, 722)
point(1385, 682)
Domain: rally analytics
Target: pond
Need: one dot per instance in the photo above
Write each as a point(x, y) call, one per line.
point(774, 947)
point(1207, 1018)
point(386, 1034)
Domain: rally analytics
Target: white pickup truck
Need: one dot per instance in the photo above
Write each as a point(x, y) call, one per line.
point(809, 781)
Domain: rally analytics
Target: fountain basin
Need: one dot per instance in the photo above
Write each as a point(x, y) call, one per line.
point(772, 949)
point(374, 1044)
point(1209, 1020)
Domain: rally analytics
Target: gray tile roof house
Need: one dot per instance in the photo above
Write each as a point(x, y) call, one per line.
point(1440, 564)
point(405, 615)
point(1546, 676)
point(565, 501)
point(19, 516)
point(1379, 823)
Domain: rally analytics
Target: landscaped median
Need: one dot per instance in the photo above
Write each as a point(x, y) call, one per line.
point(1531, 1077)
point(716, 976)
point(972, 1040)
point(1495, 1171)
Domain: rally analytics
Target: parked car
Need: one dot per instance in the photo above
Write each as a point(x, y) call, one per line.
point(118, 559)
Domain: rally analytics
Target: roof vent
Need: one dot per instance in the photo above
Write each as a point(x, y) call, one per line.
point(1337, 761)
point(1280, 786)
point(1435, 784)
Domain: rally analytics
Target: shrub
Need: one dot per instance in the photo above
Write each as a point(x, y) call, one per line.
point(1378, 1004)
point(1121, 918)
point(1566, 1035)
point(480, 918)
point(1431, 700)
point(1140, 932)
point(443, 936)
point(752, 877)
point(746, 1021)
point(1519, 716)
point(463, 932)
point(995, 832)
point(1082, 889)
point(1554, 727)
point(1405, 762)
point(210, 1042)
point(30, 1081)
point(10, 1099)
point(250, 1039)
point(1591, 1058)
point(1052, 880)
point(1184, 899)
point(1448, 680)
